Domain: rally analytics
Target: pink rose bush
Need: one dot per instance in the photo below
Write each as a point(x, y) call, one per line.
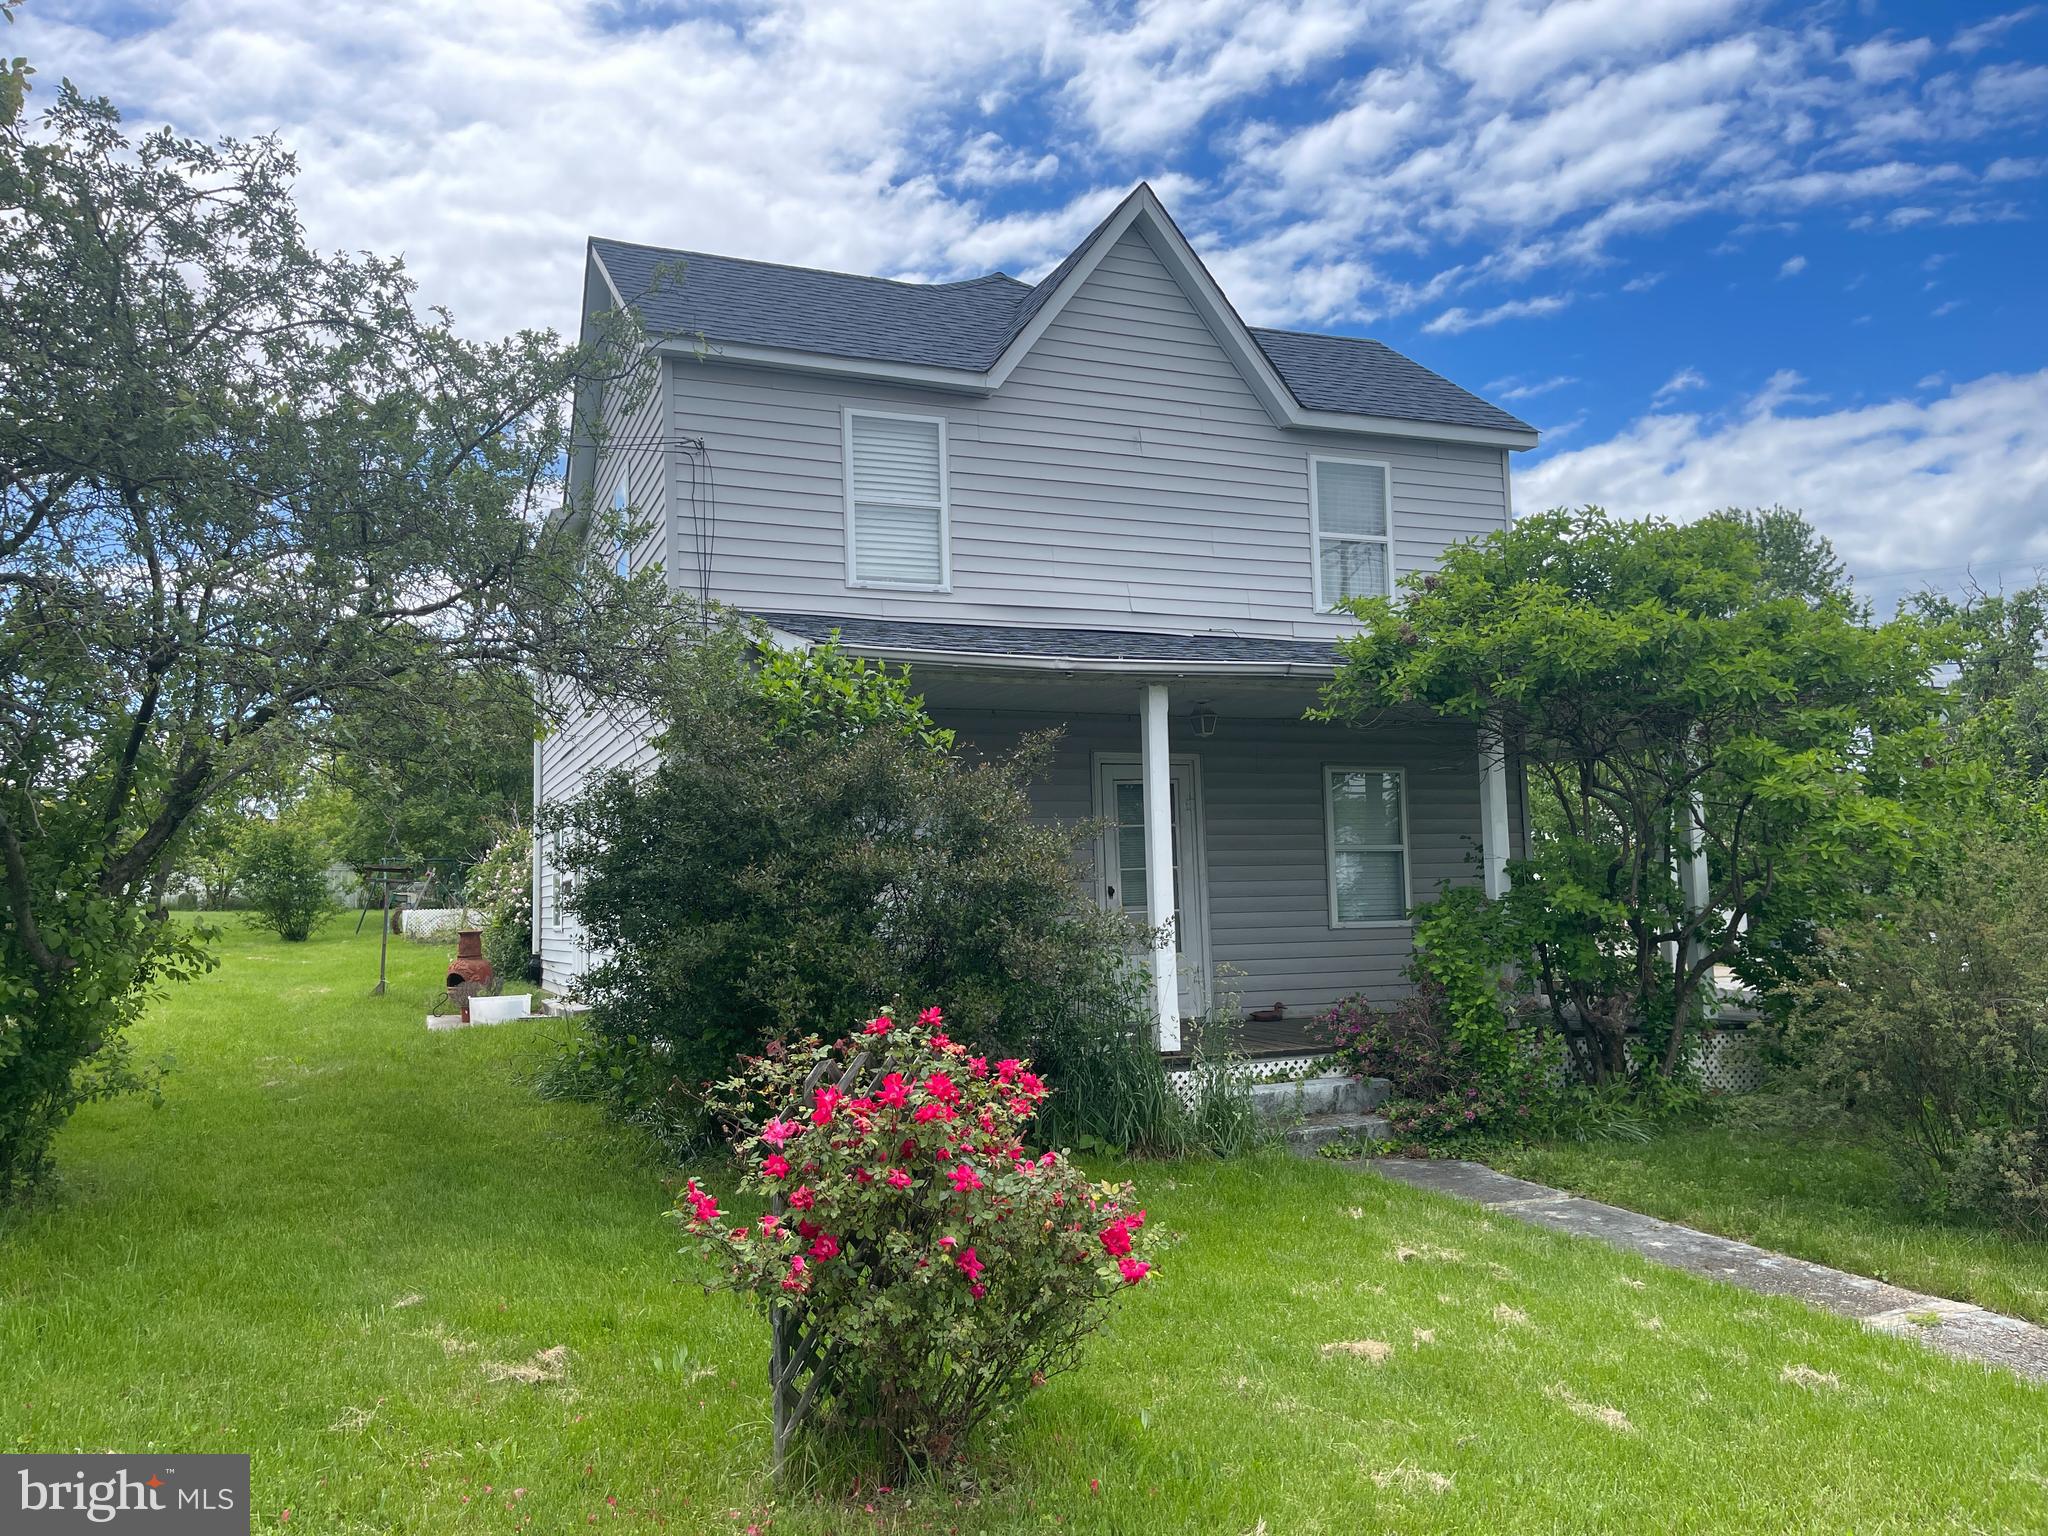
point(907, 1220)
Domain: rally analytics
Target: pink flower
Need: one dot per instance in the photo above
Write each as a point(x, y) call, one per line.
point(947, 1242)
point(965, 1178)
point(895, 1091)
point(931, 1018)
point(741, 1234)
point(977, 1290)
point(778, 1131)
point(968, 1264)
point(828, 1099)
point(769, 1225)
point(1116, 1239)
point(1007, 1069)
point(898, 1179)
point(1133, 1270)
point(794, 1280)
point(880, 1024)
point(928, 1112)
point(940, 1087)
point(1030, 1083)
point(978, 1065)
point(825, 1246)
point(775, 1165)
point(801, 1198)
point(862, 1176)
point(703, 1208)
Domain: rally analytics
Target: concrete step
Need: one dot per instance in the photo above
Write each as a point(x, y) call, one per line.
point(1331, 1094)
point(1318, 1131)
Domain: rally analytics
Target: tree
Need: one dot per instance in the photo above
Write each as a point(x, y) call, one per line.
point(281, 867)
point(1664, 687)
point(252, 500)
point(809, 847)
point(1794, 558)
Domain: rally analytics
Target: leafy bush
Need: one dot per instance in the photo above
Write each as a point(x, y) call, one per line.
point(951, 1270)
point(808, 842)
point(281, 870)
point(1466, 1055)
point(501, 888)
point(1932, 1020)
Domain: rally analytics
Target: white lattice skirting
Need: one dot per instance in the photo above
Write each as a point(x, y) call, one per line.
point(1186, 1082)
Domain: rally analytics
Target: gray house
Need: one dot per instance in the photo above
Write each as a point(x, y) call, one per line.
point(1101, 502)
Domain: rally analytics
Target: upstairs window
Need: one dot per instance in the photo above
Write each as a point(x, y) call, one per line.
point(1366, 818)
point(1350, 503)
point(896, 533)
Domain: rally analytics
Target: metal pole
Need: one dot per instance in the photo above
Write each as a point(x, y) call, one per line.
point(383, 934)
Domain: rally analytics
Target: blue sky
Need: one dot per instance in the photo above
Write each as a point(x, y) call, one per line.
point(1721, 251)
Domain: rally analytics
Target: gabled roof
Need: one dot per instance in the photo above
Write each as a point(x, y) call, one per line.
point(1026, 645)
point(970, 335)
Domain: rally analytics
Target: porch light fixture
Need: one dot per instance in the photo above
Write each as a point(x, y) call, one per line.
point(1205, 720)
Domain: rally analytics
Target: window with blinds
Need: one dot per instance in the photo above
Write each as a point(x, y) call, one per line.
point(1354, 551)
point(1366, 818)
point(896, 501)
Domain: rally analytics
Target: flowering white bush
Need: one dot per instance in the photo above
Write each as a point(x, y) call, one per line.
point(908, 1223)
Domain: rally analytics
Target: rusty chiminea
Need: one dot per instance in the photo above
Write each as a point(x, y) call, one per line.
point(469, 972)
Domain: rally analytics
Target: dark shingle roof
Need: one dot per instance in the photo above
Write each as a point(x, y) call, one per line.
point(966, 325)
point(1369, 378)
point(894, 635)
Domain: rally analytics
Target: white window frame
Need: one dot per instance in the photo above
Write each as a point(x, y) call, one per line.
point(1315, 523)
point(853, 577)
point(1330, 772)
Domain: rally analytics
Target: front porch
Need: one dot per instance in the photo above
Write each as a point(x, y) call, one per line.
point(1272, 861)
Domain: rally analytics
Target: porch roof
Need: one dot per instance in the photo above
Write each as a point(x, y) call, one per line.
point(1034, 647)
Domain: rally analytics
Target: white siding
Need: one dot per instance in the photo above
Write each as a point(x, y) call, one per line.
point(1123, 477)
point(590, 743)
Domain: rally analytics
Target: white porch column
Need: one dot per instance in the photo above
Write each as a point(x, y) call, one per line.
point(1159, 862)
point(1493, 813)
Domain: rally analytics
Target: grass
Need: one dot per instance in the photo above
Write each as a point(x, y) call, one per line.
point(1817, 1196)
point(342, 1241)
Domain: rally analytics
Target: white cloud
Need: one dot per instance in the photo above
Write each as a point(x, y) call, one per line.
point(1947, 307)
point(1681, 381)
point(1454, 321)
point(1985, 34)
point(987, 161)
point(1909, 490)
point(1514, 389)
point(1887, 58)
point(1642, 282)
point(1512, 47)
point(2015, 168)
point(1792, 266)
point(1145, 85)
point(485, 142)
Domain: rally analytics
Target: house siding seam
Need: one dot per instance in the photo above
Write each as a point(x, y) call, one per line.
point(1125, 476)
point(591, 742)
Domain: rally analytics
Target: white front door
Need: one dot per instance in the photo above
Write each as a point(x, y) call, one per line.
point(1120, 802)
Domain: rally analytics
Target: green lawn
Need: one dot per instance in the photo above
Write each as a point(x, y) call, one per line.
point(1819, 1197)
point(341, 1242)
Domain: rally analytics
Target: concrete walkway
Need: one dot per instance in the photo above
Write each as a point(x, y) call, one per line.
point(1955, 1327)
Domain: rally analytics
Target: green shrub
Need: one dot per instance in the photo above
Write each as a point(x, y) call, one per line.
point(944, 1269)
point(500, 887)
point(1931, 1019)
point(1467, 1055)
point(281, 871)
point(809, 842)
